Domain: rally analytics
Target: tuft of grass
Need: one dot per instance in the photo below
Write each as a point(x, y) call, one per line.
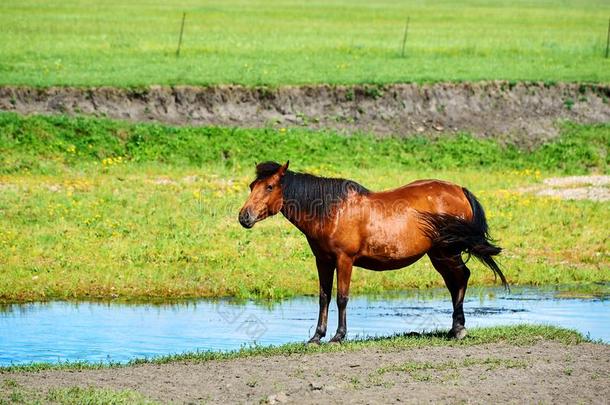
point(420, 371)
point(96, 396)
point(273, 42)
point(93, 208)
point(18, 394)
point(520, 335)
point(490, 363)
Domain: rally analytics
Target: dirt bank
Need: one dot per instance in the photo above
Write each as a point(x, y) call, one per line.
point(526, 113)
point(545, 372)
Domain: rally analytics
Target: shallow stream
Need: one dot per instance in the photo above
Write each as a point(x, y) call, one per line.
point(94, 331)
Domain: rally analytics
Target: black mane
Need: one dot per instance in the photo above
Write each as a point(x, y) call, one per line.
point(266, 169)
point(312, 195)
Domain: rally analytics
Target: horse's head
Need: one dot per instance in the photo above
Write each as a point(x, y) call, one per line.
point(265, 197)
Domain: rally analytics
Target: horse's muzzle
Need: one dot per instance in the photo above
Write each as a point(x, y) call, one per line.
point(246, 219)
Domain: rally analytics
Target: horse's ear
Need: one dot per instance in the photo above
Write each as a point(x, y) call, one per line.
point(283, 169)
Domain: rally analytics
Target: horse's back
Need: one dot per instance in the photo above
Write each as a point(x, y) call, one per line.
point(428, 195)
point(424, 185)
point(383, 230)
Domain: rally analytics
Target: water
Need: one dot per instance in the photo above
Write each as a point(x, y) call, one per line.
point(61, 331)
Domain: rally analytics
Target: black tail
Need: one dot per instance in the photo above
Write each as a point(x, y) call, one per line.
point(454, 234)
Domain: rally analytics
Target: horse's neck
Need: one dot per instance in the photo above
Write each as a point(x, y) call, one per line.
point(302, 221)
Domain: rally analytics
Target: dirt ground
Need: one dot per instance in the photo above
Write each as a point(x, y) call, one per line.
point(546, 372)
point(593, 187)
point(522, 113)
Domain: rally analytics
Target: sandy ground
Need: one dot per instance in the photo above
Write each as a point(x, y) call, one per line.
point(522, 113)
point(546, 372)
point(594, 187)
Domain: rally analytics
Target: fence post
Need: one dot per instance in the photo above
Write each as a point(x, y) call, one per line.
point(608, 39)
point(181, 32)
point(404, 38)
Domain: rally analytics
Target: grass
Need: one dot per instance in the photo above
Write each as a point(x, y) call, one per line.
point(445, 371)
point(519, 335)
point(93, 396)
point(95, 208)
point(490, 363)
point(48, 145)
point(14, 393)
point(276, 42)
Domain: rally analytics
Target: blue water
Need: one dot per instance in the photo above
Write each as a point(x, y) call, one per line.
point(61, 331)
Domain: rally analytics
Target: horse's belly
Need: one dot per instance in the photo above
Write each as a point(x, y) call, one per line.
point(386, 250)
point(385, 263)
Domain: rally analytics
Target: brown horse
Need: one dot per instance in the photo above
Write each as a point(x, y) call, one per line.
point(347, 225)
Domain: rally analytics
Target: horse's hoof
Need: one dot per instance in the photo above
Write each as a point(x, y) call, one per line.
point(336, 340)
point(313, 342)
point(458, 333)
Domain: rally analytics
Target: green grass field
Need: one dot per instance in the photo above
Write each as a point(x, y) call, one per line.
point(276, 42)
point(94, 208)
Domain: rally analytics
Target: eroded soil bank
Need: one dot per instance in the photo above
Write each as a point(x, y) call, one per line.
point(543, 372)
point(524, 113)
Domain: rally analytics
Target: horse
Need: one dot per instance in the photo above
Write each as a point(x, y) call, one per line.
point(348, 225)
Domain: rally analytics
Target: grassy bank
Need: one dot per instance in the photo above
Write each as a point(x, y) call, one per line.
point(97, 209)
point(15, 387)
point(276, 42)
point(14, 393)
point(516, 335)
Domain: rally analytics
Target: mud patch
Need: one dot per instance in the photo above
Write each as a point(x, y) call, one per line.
point(595, 188)
point(545, 372)
point(523, 113)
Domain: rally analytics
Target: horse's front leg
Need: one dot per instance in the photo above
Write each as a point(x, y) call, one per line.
point(326, 271)
point(344, 276)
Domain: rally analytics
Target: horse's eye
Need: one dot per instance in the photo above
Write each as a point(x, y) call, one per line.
point(269, 187)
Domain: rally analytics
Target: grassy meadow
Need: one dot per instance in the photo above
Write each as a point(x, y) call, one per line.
point(94, 208)
point(277, 42)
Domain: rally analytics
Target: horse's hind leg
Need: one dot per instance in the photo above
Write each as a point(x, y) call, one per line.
point(456, 274)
